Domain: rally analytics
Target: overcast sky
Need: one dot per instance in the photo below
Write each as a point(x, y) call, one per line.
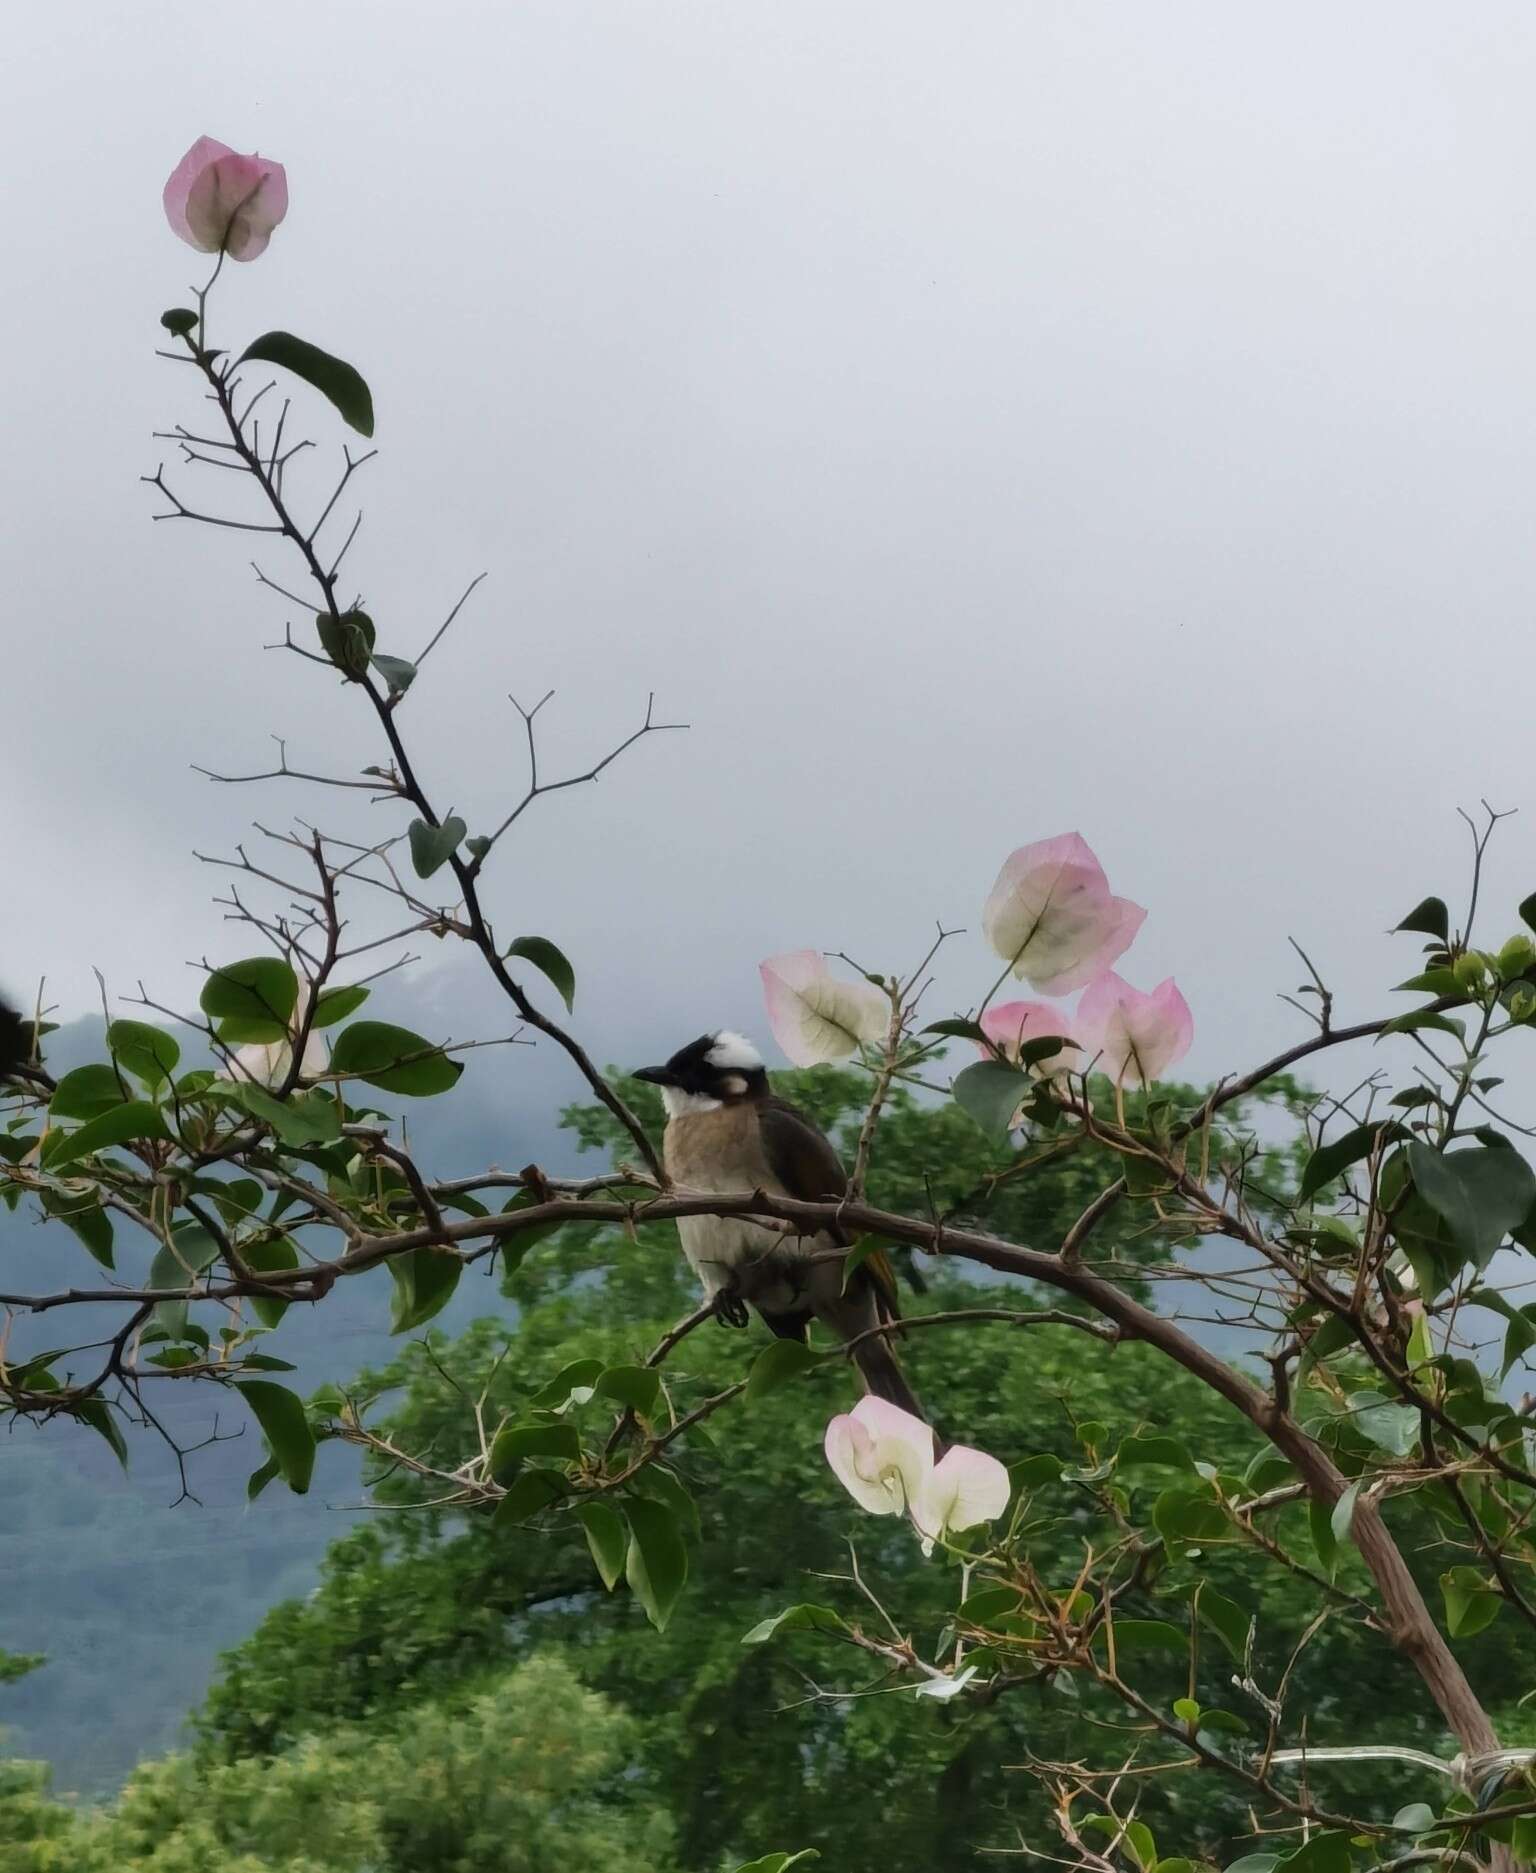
point(978, 421)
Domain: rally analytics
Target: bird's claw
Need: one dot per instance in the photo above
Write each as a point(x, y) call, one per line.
point(731, 1309)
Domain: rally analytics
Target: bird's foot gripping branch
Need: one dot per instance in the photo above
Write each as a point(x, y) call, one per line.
point(219, 1164)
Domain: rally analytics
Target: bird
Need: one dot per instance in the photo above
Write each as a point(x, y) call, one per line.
point(15, 1041)
point(728, 1131)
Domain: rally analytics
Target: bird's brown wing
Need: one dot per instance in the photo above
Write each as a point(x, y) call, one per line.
point(802, 1158)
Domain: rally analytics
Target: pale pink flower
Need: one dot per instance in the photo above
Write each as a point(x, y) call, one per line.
point(814, 1015)
point(217, 199)
point(1052, 918)
point(883, 1457)
point(1136, 1036)
point(1011, 1024)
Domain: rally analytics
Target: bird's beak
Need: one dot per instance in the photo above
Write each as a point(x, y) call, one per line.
point(654, 1076)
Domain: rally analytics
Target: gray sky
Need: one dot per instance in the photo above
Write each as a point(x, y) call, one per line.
point(979, 421)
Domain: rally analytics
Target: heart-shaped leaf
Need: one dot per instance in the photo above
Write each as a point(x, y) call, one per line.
point(433, 846)
point(991, 1093)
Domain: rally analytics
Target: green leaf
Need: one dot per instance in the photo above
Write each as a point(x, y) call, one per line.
point(1417, 1818)
point(477, 845)
point(1146, 1449)
point(347, 639)
point(550, 962)
point(394, 1059)
point(284, 1423)
point(1430, 982)
point(85, 1216)
point(858, 1255)
point(531, 1494)
point(433, 846)
point(1227, 1620)
point(1528, 911)
point(333, 1005)
point(575, 1381)
point(307, 1119)
point(1222, 1723)
point(1471, 1602)
point(662, 1485)
point(190, 1251)
point(1332, 1160)
point(1254, 1863)
point(1480, 1194)
point(398, 672)
point(802, 1618)
point(1189, 1516)
point(1430, 918)
point(777, 1364)
point(424, 1283)
point(656, 1565)
point(1325, 1852)
point(180, 321)
point(134, 1121)
point(958, 1030)
point(258, 1480)
point(98, 1415)
point(990, 1093)
point(1419, 1018)
point(334, 379)
point(607, 1538)
point(1343, 1514)
point(268, 1255)
point(1148, 1635)
point(634, 1386)
point(252, 1000)
point(86, 1093)
point(778, 1862)
point(987, 1604)
point(1320, 1521)
point(149, 1054)
point(515, 1443)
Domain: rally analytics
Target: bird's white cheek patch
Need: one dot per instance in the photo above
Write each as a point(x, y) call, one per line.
point(677, 1102)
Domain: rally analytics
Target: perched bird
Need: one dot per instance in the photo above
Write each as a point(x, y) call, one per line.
point(726, 1131)
point(15, 1041)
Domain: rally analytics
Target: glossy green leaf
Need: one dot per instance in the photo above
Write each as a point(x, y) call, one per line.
point(777, 1364)
point(252, 1000)
point(424, 1283)
point(530, 1494)
point(550, 962)
point(1471, 1602)
point(1148, 1635)
point(300, 1119)
point(148, 1053)
point(991, 1094)
point(1333, 1159)
point(1418, 1019)
point(1189, 1516)
point(98, 1414)
point(337, 381)
point(779, 1862)
point(1429, 918)
point(86, 1093)
point(285, 1424)
point(1147, 1449)
point(607, 1538)
point(136, 1121)
point(82, 1212)
point(656, 1565)
point(269, 1256)
point(958, 1030)
point(333, 1005)
point(634, 1386)
point(1481, 1194)
point(190, 1252)
point(1227, 1620)
point(572, 1383)
point(258, 1480)
point(515, 1443)
point(394, 1059)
